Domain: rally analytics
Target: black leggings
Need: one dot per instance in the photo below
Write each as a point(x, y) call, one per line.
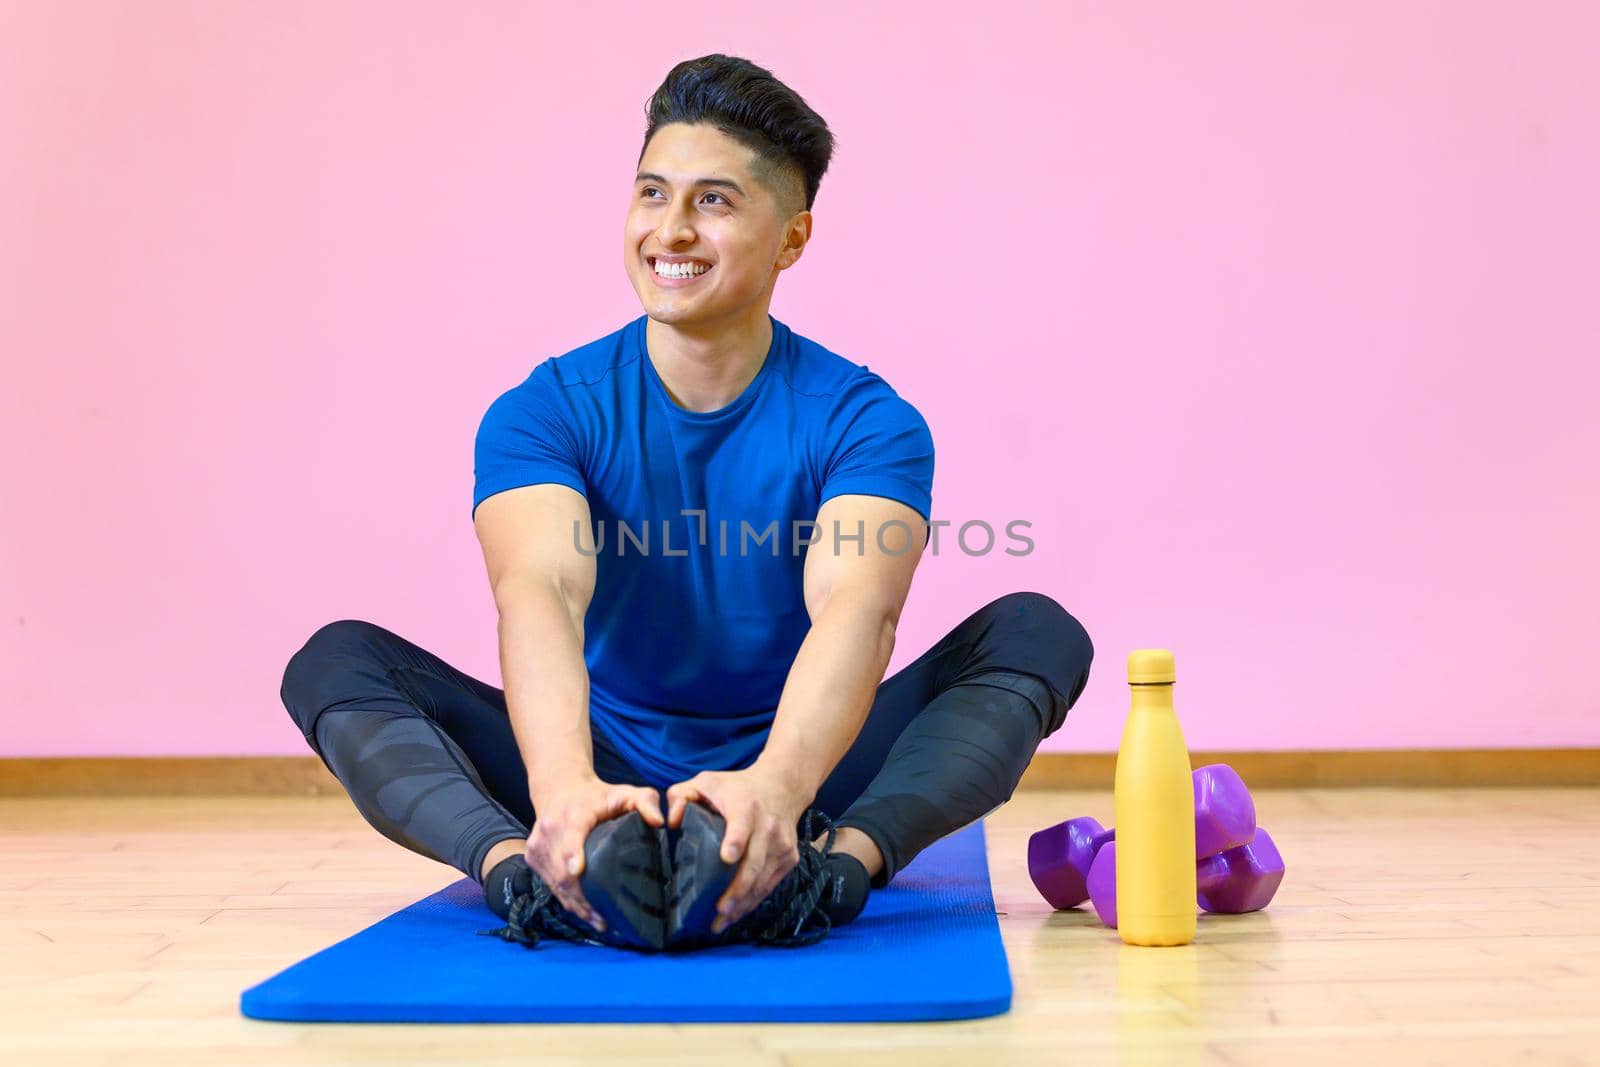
point(428, 756)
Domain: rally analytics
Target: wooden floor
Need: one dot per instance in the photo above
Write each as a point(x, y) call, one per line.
point(1415, 927)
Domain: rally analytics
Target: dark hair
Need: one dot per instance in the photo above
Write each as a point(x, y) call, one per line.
point(748, 104)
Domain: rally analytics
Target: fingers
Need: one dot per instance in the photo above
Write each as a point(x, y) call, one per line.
point(571, 855)
point(640, 798)
point(768, 857)
point(735, 849)
point(733, 909)
point(678, 798)
point(559, 850)
point(541, 857)
point(647, 802)
point(733, 906)
point(562, 864)
point(578, 828)
point(735, 838)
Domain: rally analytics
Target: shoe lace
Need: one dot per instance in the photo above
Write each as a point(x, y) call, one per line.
point(537, 915)
point(782, 919)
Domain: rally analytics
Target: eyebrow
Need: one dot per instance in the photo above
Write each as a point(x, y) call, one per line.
point(646, 176)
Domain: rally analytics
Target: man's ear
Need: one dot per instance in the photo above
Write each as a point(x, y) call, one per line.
point(797, 233)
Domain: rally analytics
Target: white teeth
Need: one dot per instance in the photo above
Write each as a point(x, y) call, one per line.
point(681, 270)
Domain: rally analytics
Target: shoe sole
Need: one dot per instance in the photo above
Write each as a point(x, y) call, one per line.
point(698, 876)
point(622, 880)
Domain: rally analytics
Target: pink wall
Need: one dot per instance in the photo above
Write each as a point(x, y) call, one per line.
point(1277, 321)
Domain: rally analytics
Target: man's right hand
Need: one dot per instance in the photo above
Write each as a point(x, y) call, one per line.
point(565, 811)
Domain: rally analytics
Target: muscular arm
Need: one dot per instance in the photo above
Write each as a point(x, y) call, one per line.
point(854, 601)
point(542, 586)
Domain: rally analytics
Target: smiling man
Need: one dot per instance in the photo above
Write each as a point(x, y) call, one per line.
point(695, 743)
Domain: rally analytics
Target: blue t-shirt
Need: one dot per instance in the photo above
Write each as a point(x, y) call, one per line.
point(696, 618)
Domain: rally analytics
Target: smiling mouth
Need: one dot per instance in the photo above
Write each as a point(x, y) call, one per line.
point(650, 264)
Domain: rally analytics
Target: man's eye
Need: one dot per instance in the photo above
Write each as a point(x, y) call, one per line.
point(652, 189)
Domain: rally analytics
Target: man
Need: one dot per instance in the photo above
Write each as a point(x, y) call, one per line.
point(724, 661)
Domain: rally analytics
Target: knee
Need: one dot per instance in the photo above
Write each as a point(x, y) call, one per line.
point(1056, 644)
point(1043, 615)
point(307, 677)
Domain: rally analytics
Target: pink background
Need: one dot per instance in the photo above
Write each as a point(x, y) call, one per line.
point(1278, 321)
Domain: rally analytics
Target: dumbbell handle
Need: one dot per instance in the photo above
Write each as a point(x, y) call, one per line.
point(1220, 881)
point(1211, 872)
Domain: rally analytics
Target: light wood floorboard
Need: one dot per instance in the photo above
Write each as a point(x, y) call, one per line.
point(1414, 926)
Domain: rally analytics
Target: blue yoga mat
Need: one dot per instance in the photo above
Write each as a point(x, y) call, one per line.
point(926, 947)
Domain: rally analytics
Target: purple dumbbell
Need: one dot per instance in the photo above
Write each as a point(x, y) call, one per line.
point(1059, 859)
point(1239, 879)
point(1061, 856)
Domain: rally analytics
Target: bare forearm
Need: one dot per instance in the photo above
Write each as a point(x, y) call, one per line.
point(547, 682)
point(828, 693)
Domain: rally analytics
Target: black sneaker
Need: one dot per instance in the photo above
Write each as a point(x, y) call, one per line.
point(697, 876)
point(536, 915)
point(622, 879)
point(623, 876)
point(794, 913)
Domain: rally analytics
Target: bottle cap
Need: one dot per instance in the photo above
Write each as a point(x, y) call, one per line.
point(1151, 665)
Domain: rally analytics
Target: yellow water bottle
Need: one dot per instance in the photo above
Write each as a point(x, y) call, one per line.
point(1154, 811)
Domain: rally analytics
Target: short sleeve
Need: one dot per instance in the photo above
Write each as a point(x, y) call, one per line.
point(526, 438)
point(881, 447)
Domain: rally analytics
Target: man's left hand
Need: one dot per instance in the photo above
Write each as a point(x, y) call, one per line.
point(762, 812)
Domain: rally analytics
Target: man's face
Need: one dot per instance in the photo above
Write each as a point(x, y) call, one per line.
point(697, 198)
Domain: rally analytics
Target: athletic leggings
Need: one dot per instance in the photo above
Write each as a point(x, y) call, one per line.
point(428, 756)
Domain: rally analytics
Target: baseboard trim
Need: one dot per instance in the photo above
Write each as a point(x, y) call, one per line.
point(117, 776)
point(1348, 768)
point(306, 776)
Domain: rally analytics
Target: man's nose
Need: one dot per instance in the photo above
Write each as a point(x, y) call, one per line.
point(675, 225)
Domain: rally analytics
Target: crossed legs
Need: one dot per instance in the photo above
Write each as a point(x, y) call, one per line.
point(429, 759)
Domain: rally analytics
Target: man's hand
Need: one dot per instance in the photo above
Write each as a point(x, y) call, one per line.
point(564, 813)
point(762, 811)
